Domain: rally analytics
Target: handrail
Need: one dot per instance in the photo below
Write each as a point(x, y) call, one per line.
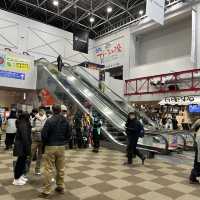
point(130, 108)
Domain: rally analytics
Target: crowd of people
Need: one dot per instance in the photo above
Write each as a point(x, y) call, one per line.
point(42, 136)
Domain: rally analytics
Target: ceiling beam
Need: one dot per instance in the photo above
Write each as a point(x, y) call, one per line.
point(40, 4)
point(65, 9)
point(130, 8)
point(122, 7)
point(56, 14)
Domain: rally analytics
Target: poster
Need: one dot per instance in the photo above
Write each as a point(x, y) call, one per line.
point(17, 71)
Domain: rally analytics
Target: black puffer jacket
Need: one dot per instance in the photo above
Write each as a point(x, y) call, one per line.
point(56, 131)
point(133, 128)
point(22, 145)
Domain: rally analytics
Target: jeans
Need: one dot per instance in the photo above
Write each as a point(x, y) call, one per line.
point(132, 149)
point(10, 137)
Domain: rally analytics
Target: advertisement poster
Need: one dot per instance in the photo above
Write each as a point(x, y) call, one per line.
point(17, 71)
point(110, 54)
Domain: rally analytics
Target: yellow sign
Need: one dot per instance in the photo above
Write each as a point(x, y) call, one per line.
point(17, 64)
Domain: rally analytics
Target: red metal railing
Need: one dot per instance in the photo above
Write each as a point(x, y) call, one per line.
point(182, 81)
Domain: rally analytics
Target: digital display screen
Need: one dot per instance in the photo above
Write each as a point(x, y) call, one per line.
point(194, 108)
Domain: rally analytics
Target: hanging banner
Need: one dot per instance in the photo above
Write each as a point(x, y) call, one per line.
point(80, 41)
point(155, 10)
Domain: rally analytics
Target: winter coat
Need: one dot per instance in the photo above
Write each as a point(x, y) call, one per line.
point(11, 125)
point(133, 128)
point(196, 127)
point(37, 126)
point(56, 131)
point(22, 145)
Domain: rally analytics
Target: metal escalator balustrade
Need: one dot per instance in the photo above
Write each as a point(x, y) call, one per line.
point(113, 127)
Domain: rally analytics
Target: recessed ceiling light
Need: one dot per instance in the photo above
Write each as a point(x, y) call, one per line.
point(55, 2)
point(109, 9)
point(141, 12)
point(92, 19)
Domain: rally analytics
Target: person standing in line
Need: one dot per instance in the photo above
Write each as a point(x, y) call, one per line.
point(55, 135)
point(78, 127)
point(196, 168)
point(1, 122)
point(134, 130)
point(11, 129)
point(59, 63)
point(22, 148)
point(96, 134)
point(37, 146)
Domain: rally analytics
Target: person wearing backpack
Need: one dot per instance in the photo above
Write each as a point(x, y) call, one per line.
point(134, 131)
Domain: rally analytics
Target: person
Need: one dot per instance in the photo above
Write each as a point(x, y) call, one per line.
point(174, 122)
point(55, 135)
point(1, 122)
point(78, 127)
point(59, 63)
point(36, 149)
point(22, 147)
point(49, 113)
point(96, 133)
point(196, 167)
point(133, 130)
point(11, 129)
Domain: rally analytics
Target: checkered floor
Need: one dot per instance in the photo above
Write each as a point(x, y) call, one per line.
point(102, 176)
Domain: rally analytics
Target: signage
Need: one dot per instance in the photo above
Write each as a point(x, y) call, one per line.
point(20, 68)
point(180, 100)
point(155, 9)
point(109, 52)
point(15, 75)
point(80, 41)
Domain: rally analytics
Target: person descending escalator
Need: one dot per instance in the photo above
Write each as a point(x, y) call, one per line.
point(134, 130)
point(96, 133)
point(196, 168)
point(59, 63)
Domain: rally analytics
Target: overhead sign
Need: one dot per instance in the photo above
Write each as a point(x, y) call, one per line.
point(155, 9)
point(180, 100)
point(81, 41)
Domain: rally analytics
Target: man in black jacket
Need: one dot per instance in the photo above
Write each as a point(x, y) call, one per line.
point(134, 131)
point(55, 135)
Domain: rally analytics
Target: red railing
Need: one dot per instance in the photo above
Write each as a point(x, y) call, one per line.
point(182, 81)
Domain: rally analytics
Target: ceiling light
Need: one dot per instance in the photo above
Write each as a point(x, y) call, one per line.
point(141, 12)
point(55, 2)
point(109, 9)
point(92, 19)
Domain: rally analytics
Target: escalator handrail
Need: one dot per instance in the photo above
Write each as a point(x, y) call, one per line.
point(130, 108)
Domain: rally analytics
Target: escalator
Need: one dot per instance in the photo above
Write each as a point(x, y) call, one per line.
point(67, 85)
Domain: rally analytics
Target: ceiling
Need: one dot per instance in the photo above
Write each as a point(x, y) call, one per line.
point(73, 14)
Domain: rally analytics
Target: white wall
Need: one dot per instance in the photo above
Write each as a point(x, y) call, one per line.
point(40, 40)
point(166, 43)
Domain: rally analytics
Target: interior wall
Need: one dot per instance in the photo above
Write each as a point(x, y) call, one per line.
point(167, 42)
point(40, 40)
point(163, 50)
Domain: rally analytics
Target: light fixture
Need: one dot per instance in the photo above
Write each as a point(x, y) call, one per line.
point(92, 19)
point(55, 2)
point(109, 9)
point(141, 12)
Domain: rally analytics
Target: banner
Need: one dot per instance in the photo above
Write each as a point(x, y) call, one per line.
point(17, 71)
point(155, 10)
point(110, 54)
point(80, 41)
